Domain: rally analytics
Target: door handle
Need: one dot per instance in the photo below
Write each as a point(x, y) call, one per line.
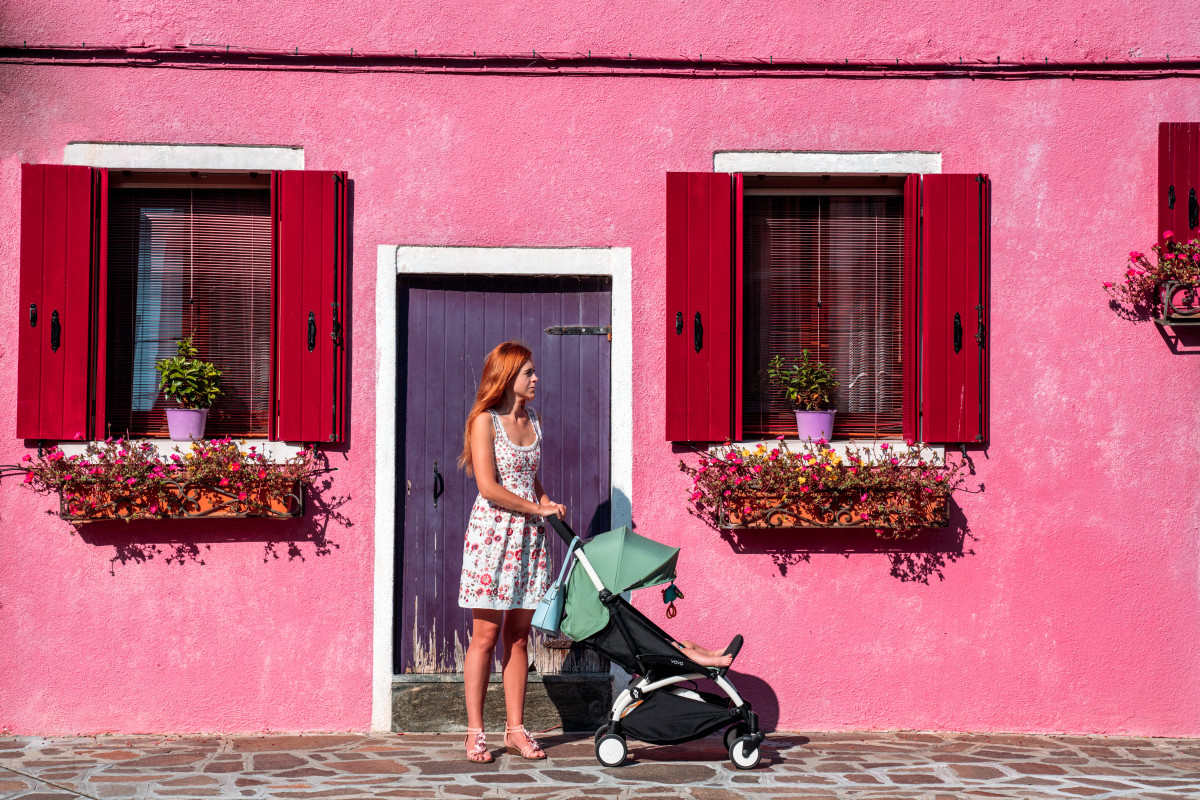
point(312, 331)
point(698, 332)
point(958, 330)
point(439, 485)
point(55, 330)
point(1193, 210)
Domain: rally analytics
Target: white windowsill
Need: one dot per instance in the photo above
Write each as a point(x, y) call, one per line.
point(867, 447)
point(274, 451)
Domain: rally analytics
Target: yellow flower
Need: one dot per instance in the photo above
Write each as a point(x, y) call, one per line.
point(802, 480)
point(828, 468)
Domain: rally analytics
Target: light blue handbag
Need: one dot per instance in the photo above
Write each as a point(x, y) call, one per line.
point(549, 612)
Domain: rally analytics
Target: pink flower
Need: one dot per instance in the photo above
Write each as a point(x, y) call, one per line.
point(894, 460)
point(241, 495)
point(28, 478)
point(853, 470)
point(727, 492)
point(235, 466)
point(131, 481)
point(252, 448)
point(262, 473)
point(224, 481)
point(780, 437)
point(25, 457)
point(864, 516)
point(78, 436)
point(695, 496)
point(1107, 285)
point(1134, 255)
point(758, 467)
point(153, 509)
point(883, 446)
point(1168, 234)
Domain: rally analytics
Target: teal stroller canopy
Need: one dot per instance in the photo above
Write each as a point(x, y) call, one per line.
point(622, 561)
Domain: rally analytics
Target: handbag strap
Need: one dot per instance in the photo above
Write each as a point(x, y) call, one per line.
point(568, 561)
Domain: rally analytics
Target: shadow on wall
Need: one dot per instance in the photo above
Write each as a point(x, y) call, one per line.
point(190, 541)
point(916, 559)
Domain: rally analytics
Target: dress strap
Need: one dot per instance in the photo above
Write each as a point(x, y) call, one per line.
point(537, 423)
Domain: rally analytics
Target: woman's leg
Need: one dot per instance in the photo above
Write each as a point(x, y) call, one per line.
point(514, 642)
point(514, 661)
point(477, 665)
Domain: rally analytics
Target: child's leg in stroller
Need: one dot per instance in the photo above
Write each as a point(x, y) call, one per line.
point(514, 660)
point(703, 656)
point(477, 666)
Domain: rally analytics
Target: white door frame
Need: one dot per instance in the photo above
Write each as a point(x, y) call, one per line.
point(396, 260)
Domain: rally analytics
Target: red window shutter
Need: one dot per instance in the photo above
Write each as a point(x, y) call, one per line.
point(909, 321)
point(1178, 180)
point(700, 330)
point(952, 246)
point(60, 367)
point(309, 293)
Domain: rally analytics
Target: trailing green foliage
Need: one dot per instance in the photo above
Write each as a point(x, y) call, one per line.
point(187, 380)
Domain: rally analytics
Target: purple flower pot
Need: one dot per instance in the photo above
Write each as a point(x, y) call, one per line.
point(186, 424)
point(814, 425)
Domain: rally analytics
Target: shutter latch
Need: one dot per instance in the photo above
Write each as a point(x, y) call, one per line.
point(33, 315)
point(312, 331)
point(979, 334)
point(336, 333)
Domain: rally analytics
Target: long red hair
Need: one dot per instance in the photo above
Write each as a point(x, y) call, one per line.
point(500, 369)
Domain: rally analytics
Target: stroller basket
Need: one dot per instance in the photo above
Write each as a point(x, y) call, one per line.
point(657, 708)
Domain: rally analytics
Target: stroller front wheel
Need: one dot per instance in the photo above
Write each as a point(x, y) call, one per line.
point(611, 750)
point(603, 729)
point(745, 753)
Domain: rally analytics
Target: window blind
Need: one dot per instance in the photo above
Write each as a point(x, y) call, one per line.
point(189, 262)
point(824, 274)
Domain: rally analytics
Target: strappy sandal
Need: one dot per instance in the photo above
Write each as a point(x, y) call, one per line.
point(531, 750)
point(478, 752)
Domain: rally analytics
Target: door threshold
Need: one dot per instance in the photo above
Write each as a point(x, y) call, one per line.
point(496, 677)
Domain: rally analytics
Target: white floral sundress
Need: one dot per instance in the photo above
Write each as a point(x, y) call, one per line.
point(504, 552)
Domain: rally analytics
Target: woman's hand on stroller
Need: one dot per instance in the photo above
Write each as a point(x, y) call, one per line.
point(547, 507)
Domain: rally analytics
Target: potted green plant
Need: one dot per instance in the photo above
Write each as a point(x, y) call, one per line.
point(808, 386)
point(192, 383)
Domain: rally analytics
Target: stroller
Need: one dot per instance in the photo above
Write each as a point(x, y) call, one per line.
point(658, 707)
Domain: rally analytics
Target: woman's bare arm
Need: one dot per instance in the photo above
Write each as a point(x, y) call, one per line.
point(483, 463)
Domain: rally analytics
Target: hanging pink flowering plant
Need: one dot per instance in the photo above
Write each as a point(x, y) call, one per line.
point(891, 490)
point(118, 468)
point(1137, 292)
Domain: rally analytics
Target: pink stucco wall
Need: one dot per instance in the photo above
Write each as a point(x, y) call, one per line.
point(1075, 605)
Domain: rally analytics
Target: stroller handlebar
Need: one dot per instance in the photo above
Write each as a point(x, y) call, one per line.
point(561, 528)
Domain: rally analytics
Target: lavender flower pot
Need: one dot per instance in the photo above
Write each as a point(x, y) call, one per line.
point(186, 424)
point(814, 425)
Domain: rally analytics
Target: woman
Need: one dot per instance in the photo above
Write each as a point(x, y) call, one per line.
point(504, 571)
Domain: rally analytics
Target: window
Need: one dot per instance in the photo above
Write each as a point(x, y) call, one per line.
point(823, 273)
point(884, 277)
point(189, 261)
point(115, 268)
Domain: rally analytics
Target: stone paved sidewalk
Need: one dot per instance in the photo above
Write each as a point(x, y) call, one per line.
point(857, 766)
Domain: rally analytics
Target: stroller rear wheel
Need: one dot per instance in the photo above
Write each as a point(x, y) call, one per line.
point(744, 752)
point(734, 732)
point(611, 750)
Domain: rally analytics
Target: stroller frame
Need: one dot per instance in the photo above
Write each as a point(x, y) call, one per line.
point(657, 680)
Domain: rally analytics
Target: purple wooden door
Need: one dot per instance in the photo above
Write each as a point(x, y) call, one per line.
point(447, 327)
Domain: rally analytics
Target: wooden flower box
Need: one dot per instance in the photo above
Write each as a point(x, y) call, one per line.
point(184, 501)
point(842, 511)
